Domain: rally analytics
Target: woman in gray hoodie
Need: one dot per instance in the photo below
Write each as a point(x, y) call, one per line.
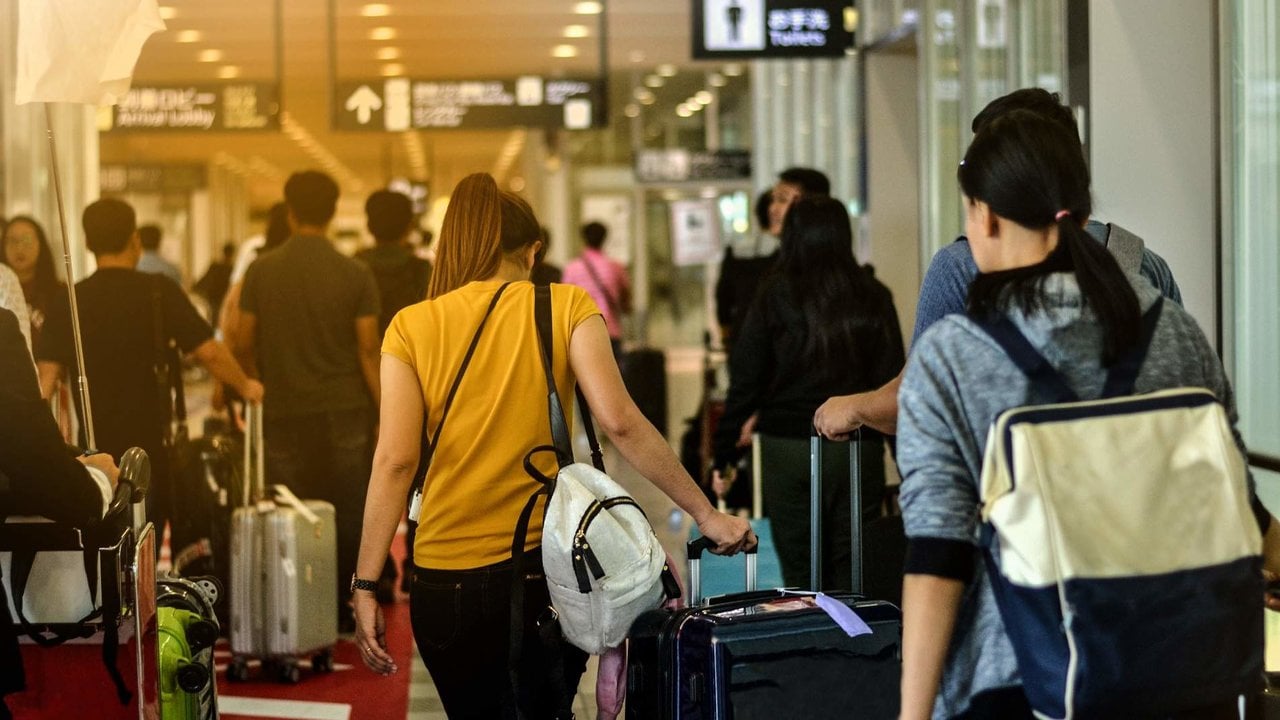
point(1027, 190)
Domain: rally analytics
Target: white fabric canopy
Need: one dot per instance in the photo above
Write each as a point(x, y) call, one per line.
point(81, 51)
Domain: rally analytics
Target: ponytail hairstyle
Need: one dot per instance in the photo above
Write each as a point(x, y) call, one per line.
point(1030, 169)
point(481, 225)
point(838, 298)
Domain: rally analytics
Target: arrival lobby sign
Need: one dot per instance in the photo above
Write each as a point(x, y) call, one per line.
point(399, 104)
point(199, 107)
point(749, 29)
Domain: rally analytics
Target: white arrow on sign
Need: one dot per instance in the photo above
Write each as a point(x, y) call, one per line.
point(364, 101)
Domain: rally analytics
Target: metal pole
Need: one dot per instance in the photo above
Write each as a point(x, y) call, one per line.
point(82, 380)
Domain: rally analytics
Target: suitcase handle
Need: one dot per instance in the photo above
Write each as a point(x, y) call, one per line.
point(855, 510)
point(695, 549)
point(285, 496)
point(252, 484)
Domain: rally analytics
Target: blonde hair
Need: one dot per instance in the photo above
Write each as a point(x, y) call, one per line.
point(481, 224)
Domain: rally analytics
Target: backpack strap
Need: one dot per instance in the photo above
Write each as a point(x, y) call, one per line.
point(1124, 374)
point(1023, 354)
point(559, 425)
point(1125, 247)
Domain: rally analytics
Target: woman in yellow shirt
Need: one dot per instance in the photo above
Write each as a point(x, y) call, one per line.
point(477, 484)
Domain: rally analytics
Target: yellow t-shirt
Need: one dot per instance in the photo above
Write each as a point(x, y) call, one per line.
point(477, 484)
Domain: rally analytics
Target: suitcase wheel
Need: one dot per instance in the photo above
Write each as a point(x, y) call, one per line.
point(289, 672)
point(322, 662)
point(238, 670)
point(192, 677)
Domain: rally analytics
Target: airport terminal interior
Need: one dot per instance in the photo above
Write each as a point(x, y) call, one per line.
point(658, 152)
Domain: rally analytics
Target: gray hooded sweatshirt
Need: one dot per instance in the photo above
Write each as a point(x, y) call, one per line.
point(957, 382)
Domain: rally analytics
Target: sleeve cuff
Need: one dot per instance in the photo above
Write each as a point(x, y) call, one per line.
point(104, 487)
point(953, 559)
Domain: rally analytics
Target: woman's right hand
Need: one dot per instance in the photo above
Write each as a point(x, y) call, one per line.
point(371, 634)
point(730, 533)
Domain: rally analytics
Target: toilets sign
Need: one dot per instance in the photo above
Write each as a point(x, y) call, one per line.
point(771, 28)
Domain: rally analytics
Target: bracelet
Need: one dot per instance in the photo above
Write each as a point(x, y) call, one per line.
point(365, 585)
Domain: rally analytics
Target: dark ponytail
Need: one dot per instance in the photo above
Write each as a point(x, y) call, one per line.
point(1030, 170)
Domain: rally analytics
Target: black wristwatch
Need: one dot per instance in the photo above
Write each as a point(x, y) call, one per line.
point(366, 585)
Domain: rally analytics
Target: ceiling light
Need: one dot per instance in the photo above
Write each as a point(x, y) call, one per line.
point(209, 55)
point(647, 99)
point(683, 110)
point(576, 31)
point(564, 51)
point(667, 70)
point(654, 81)
point(227, 72)
point(733, 69)
point(188, 36)
point(636, 56)
point(392, 70)
point(382, 33)
point(588, 8)
point(388, 53)
point(167, 12)
point(632, 110)
point(375, 10)
point(702, 97)
point(716, 80)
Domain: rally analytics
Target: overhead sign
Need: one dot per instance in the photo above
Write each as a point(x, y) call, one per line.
point(151, 178)
point(230, 106)
point(667, 166)
point(399, 104)
point(771, 28)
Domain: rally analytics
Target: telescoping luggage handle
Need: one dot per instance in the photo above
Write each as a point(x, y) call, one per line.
point(253, 484)
point(695, 549)
point(855, 510)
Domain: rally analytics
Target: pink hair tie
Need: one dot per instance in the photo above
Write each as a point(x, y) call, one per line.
point(1061, 214)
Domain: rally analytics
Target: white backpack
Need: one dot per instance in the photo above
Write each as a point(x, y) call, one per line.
point(603, 564)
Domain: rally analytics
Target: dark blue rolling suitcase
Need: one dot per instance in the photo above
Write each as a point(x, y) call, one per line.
point(767, 654)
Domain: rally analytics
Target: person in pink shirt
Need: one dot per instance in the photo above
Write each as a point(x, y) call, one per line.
point(604, 279)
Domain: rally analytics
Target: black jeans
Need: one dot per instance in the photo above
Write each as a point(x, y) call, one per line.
point(784, 464)
point(326, 456)
point(461, 623)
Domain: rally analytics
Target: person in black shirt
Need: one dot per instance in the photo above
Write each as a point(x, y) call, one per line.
point(401, 275)
point(741, 273)
point(821, 325)
point(213, 285)
point(128, 320)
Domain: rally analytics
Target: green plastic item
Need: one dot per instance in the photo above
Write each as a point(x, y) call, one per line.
point(187, 690)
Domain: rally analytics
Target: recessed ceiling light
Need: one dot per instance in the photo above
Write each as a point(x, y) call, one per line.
point(702, 97)
point(716, 80)
point(684, 111)
point(646, 98)
point(382, 33)
point(227, 72)
point(667, 70)
point(632, 110)
point(564, 51)
point(392, 70)
point(654, 81)
point(636, 56)
point(188, 36)
point(576, 31)
point(388, 53)
point(733, 70)
point(209, 55)
point(588, 8)
point(167, 12)
point(376, 10)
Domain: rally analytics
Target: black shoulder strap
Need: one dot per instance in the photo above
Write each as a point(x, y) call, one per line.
point(1124, 374)
point(429, 444)
point(559, 425)
point(1023, 354)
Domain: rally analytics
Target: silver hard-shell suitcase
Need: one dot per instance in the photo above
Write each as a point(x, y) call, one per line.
point(284, 600)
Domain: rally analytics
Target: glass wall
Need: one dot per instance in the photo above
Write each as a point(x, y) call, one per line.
point(974, 51)
point(1251, 173)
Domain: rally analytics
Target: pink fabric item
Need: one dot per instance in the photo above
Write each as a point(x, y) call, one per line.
point(611, 679)
point(612, 275)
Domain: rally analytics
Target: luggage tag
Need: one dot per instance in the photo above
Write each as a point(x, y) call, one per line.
point(415, 505)
point(842, 614)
